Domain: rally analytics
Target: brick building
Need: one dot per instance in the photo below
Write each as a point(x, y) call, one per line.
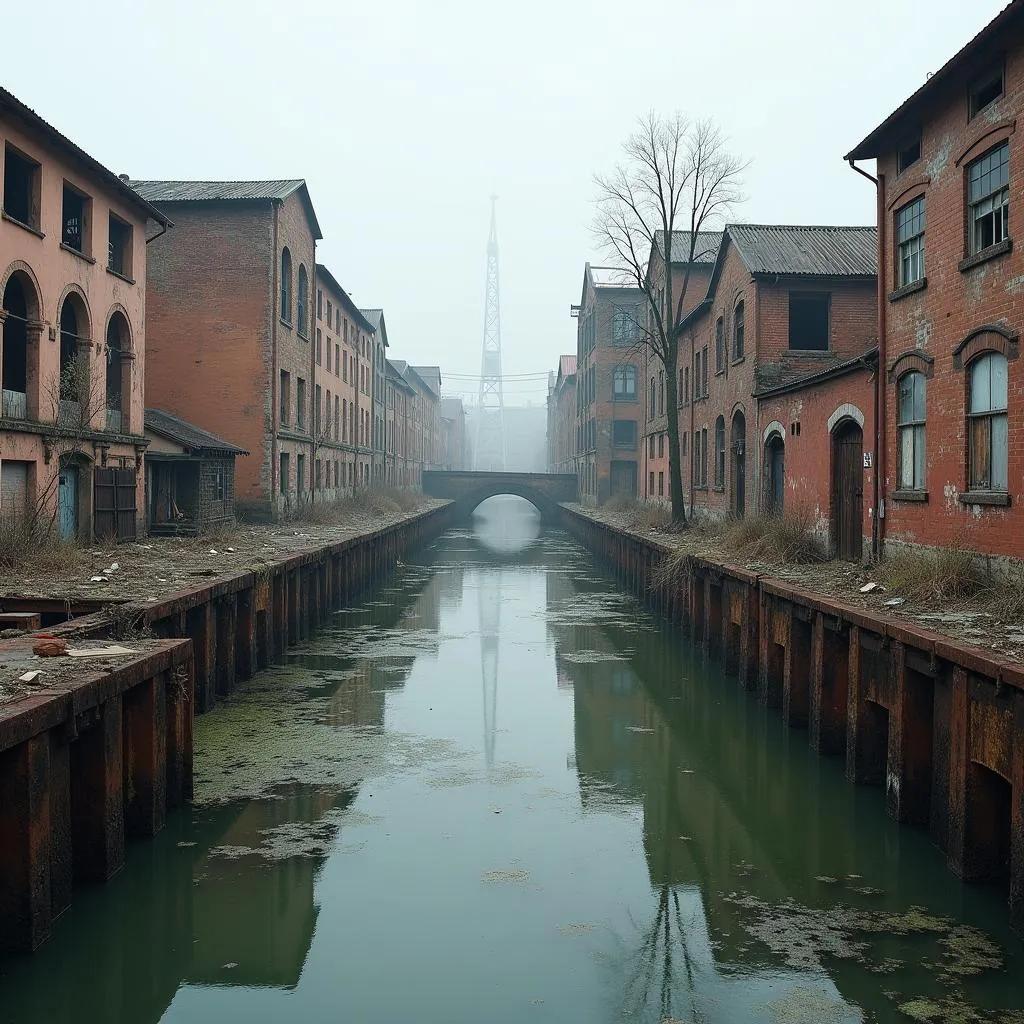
point(431, 420)
point(399, 397)
point(950, 166)
point(343, 384)
point(230, 322)
point(454, 453)
point(379, 444)
point(562, 418)
point(420, 421)
point(73, 255)
point(776, 400)
point(610, 362)
point(690, 283)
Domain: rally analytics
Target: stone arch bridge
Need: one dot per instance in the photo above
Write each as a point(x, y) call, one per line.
point(543, 490)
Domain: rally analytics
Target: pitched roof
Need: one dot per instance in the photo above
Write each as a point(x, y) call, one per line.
point(346, 300)
point(431, 376)
point(451, 408)
point(992, 39)
point(228, 192)
point(865, 359)
point(375, 317)
point(704, 251)
point(395, 369)
point(191, 437)
point(806, 250)
point(11, 105)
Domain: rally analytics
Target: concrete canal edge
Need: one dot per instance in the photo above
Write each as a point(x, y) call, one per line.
point(938, 724)
point(100, 758)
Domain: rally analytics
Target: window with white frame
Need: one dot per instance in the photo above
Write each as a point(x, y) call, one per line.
point(988, 198)
point(910, 239)
point(988, 428)
point(910, 417)
point(624, 384)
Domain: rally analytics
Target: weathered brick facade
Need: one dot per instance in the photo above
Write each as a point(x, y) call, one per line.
point(956, 314)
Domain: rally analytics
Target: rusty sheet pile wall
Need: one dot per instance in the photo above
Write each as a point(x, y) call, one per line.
point(938, 724)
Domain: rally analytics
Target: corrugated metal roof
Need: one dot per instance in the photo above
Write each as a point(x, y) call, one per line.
point(611, 277)
point(9, 103)
point(208, 191)
point(431, 376)
point(705, 251)
point(324, 275)
point(188, 435)
point(798, 250)
point(994, 36)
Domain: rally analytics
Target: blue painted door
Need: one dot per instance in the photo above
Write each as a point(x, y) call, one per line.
point(67, 502)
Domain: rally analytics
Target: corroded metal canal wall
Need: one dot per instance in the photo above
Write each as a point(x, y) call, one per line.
point(102, 756)
point(938, 724)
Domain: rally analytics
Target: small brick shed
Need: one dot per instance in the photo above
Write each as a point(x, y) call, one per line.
point(190, 476)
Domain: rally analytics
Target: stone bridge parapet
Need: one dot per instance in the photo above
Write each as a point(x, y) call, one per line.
point(467, 489)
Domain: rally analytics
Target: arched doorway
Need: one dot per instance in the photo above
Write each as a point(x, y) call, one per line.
point(775, 474)
point(738, 473)
point(848, 490)
point(21, 307)
point(74, 380)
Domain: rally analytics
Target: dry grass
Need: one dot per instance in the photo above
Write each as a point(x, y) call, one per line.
point(789, 539)
point(937, 576)
point(38, 548)
point(639, 515)
point(377, 501)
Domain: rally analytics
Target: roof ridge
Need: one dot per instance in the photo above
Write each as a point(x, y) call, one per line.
point(806, 227)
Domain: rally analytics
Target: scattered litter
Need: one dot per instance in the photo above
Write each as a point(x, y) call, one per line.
point(213, 551)
point(49, 647)
point(97, 652)
point(30, 677)
point(637, 728)
point(230, 549)
point(98, 579)
point(869, 587)
point(894, 602)
point(230, 966)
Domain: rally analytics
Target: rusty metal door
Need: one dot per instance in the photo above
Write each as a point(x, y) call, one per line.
point(848, 491)
point(114, 503)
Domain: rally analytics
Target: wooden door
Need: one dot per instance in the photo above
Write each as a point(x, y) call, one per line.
point(114, 504)
point(848, 492)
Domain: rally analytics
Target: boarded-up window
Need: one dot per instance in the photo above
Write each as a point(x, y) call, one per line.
point(987, 423)
point(114, 503)
point(14, 478)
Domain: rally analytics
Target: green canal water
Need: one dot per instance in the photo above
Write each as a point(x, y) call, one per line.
point(499, 791)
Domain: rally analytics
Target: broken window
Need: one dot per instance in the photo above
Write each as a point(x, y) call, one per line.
point(74, 216)
point(739, 332)
point(808, 321)
point(119, 247)
point(624, 433)
point(21, 188)
point(910, 239)
point(988, 196)
point(985, 91)
point(286, 388)
point(910, 423)
point(987, 423)
point(624, 384)
point(908, 155)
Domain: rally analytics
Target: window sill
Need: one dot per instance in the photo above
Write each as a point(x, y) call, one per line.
point(21, 224)
point(121, 277)
point(77, 252)
point(737, 360)
point(984, 498)
point(908, 289)
point(304, 337)
point(719, 489)
point(813, 353)
point(286, 323)
point(700, 487)
point(718, 373)
point(908, 495)
point(993, 251)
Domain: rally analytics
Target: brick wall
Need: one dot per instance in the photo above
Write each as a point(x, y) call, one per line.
point(952, 304)
point(216, 476)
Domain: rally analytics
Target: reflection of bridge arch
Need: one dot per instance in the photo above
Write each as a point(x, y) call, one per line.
point(542, 490)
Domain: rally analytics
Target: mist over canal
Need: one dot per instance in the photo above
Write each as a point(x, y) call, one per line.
point(498, 790)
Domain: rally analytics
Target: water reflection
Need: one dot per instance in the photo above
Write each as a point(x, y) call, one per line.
point(506, 525)
point(498, 789)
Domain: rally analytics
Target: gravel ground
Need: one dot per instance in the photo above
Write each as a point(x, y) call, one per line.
point(968, 623)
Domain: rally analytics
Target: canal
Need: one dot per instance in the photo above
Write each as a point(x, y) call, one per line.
point(498, 790)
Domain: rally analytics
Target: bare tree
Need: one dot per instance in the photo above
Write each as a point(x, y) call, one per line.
point(677, 179)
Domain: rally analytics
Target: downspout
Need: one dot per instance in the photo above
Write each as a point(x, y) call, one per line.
point(879, 476)
point(274, 372)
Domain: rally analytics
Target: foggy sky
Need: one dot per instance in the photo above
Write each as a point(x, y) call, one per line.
point(404, 116)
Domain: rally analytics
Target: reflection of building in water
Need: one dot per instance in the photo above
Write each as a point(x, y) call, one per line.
point(489, 596)
point(450, 582)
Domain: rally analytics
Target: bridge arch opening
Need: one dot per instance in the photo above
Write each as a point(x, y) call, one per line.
point(506, 524)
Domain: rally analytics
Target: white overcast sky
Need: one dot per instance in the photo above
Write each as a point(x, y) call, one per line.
point(404, 116)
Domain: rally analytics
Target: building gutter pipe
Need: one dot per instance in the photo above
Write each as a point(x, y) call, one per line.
point(880, 472)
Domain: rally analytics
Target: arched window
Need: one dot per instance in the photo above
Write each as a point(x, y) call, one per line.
point(987, 423)
point(21, 306)
point(661, 392)
point(910, 416)
point(652, 409)
point(117, 349)
point(302, 303)
point(286, 285)
point(720, 452)
point(738, 332)
point(74, 328)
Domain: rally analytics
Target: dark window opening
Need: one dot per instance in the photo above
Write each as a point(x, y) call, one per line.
point(808, 321)
point(739, 333)
point(908, 155)
point(69, 365)
point(285, 396)
point(119, 253)
point(14, 370)
point(300, 474)
point(986, 91)
point(115, 351)
point(284, 473)
point(21, 188)
point(719, 346)
point(73, 219)
point(286, 286)
point(661, 485)
point(624, 433)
